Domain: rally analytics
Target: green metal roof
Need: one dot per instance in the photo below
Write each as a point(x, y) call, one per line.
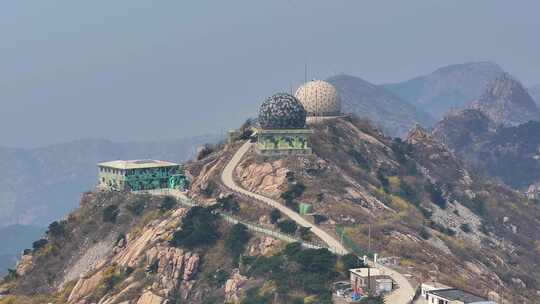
point(137, 164)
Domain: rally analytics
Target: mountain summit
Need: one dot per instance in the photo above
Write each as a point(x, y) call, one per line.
point(507, 102)
point(448, 87)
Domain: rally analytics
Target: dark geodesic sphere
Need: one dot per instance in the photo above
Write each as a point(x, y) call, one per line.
point(282, 111)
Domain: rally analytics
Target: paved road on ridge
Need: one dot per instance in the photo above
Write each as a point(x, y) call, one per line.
point(228, 181)
point(405, 292)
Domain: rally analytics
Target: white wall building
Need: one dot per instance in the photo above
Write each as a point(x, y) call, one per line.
point(435, 293)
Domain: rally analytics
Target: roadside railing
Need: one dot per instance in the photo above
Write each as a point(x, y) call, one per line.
point(351, 244)
point(184, 200)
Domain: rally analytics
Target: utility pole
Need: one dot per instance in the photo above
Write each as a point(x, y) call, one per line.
point(369, 238)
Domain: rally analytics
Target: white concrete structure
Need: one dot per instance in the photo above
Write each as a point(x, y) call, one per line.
point(319, 98)
point(435, 293)
point(374, 279)
point(431, 286)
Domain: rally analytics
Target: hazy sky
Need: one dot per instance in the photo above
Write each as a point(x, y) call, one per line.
point(140, 70)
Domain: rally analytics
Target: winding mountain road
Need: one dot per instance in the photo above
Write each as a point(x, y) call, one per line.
point(402, 295)
point(228, 180)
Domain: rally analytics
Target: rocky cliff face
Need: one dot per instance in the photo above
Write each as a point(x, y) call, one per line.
point(507, 102)
point(463, 128)
point(128, 260)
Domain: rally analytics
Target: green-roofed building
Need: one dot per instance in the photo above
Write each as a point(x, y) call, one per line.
point(136, 175)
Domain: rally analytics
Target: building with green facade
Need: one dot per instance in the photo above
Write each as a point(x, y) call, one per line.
point(282, 126)
point(136, 175)
point(283, 141)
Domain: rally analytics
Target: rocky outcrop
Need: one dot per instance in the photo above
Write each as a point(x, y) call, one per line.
point(265, 246)
point(265, 178)
point(24, 265)
point(190, 269)
point(438, 162)
point(153, 232)
point(89, 260)
point(150, 298)
point(171, 266)
point(461, 129)
point(167, 263)
point(85, 286)
point(507, 102)
point(233, 287)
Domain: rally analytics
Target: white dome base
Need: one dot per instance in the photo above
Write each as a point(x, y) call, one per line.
point(312, 120)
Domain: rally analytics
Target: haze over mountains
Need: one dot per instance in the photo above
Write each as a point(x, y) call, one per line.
point(423, 100)
point(365, 99)
point(43, 184)
point(448, 87)
point(507, 102)
point(534, 91)
point(508, 154)
point(40, 185)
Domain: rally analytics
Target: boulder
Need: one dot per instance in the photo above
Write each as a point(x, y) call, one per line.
point(85, 287)
point(233, 287)
point(150, 298)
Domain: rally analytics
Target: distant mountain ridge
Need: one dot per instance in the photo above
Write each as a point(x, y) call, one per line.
point(534, 91)
point(40, 185)
point(447, 88)
point(384, 108)
point(507, 102)
point(509, 154)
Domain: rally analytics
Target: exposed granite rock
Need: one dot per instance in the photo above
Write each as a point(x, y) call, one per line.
point(265, 246)
point(132, 288)
point(89, 260)
point(150, 298)
point(233, 287)
point(266, 178)
point(191, 265)
point(24, 265)
point(152, 233)
point(170, 262)
point(84, 287)
point(439, 163)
